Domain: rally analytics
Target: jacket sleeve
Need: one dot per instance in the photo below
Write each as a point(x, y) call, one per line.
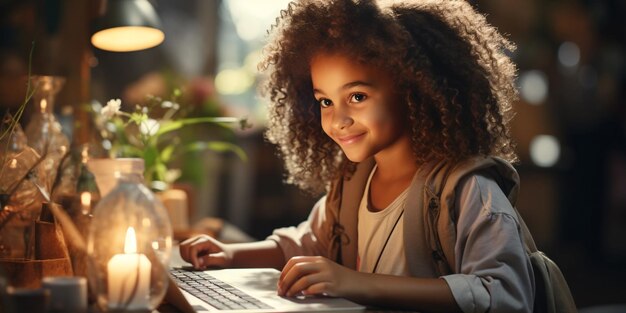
point(311, 237)
point(493, 271)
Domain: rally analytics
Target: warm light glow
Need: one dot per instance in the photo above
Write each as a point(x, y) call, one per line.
point(145, 222)
point(85, 201)
point(128, 277)
point(13, 164)
point(129, 38)
point(43, 105)
point(130, 244)
point(233, 81)
point(84, 155)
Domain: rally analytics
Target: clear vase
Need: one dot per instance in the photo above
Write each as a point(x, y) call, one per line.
point(107, 170)
point(20, 200)
point(44, 131)
point(30, 248)
point(129, 243)
point(77, 193)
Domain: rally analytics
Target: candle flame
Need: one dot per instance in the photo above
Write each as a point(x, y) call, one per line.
point(130, 244)
point(85, 155)
point(43, 104)
point(85, 200)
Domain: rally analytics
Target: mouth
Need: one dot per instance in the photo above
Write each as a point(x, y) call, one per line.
point(349, 139)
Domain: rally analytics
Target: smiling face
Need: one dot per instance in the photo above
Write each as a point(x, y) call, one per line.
point(359, 108)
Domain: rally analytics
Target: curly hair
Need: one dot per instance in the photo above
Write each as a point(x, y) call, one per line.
point(449, 64)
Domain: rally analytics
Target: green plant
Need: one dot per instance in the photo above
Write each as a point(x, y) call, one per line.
point(150, 132)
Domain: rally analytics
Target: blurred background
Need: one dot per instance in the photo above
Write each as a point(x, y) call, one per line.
point(569, 125)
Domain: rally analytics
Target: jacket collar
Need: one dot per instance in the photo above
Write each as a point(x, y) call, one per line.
point(351, 196)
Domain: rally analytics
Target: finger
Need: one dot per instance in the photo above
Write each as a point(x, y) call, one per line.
point(198, 250)
point(184, 251)
point(185, 245)
point(296, 272)
point(212, 260)
point(190, 240)
point(305, 282)
point(293, 261)
point(323, 287)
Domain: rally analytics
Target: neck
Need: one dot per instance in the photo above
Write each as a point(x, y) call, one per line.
point(396, 162)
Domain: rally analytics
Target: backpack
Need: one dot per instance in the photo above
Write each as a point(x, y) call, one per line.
point(552, 294)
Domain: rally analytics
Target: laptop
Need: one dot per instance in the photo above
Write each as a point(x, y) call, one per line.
point(242, 290)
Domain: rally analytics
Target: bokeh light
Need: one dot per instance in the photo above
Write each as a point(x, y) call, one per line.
point(545, 150)
point(533, 86)
point(569, 54)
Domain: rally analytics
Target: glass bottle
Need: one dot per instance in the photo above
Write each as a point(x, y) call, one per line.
point(129, 243)
point(43, 130)
point(20, 201)
point(85, 197)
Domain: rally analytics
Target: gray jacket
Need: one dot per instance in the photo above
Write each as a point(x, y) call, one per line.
point(478, 230)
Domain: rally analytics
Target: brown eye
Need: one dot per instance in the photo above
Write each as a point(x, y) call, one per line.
point(357, 97)
point(324, 103)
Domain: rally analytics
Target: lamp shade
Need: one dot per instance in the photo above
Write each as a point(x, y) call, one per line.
point(127, 25)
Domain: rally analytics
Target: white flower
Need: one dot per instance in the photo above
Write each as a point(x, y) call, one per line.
point(149, 127)
point(112, 107)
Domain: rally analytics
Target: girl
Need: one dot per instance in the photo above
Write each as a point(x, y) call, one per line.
point(401, 91)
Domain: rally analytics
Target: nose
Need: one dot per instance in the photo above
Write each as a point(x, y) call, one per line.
point(341, 117)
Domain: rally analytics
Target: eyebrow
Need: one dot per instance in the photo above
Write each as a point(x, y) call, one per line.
point(350, 85)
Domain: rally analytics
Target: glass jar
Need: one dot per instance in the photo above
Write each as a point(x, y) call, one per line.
point(44, 131)
point(129, 244)
point(20, 201)
point(105, 171)
point(77, 193)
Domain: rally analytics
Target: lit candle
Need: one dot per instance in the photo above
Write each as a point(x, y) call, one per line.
point(43, 105)
point(85, 201)
point(129, 277)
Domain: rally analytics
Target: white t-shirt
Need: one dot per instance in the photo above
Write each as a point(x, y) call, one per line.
point(374, 228)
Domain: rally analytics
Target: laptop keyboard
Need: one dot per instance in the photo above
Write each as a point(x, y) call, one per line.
point(215, 292)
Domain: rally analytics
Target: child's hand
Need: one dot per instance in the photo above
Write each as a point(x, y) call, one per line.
point(204, 251)
point(316, 275)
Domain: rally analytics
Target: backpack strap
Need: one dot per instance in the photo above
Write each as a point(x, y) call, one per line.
point(528, 238)
point(433, 187)
point(343, 203)
point(439, 198)
point(552, 294)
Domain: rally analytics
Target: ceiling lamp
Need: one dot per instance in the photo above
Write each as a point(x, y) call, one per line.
point(127, 25)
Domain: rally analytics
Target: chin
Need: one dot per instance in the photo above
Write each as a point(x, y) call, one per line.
point(356, 157)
